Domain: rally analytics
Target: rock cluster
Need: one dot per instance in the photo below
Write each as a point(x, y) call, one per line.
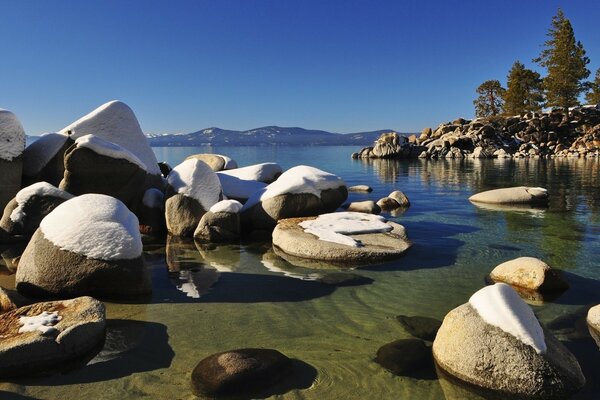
point(533, 135)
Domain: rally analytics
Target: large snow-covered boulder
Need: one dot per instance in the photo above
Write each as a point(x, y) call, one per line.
point(349, 238)
point(193, 188)
point(23, 214)
point(495, 341)
point(299, 192)
point(239, 189)
point(217, 162)
point(115, 122)
point(42, 337)
point(512, 195)
point(94, 165)
point(529, 273)
point(221, 223)
point(43, 160)
point(264, 172)
point(12, 144)
point(88, 245)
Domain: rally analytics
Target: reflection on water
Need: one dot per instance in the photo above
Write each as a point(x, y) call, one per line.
point(215, 298)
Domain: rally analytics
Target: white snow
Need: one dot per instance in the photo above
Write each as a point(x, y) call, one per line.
point(43, 322)
point(37, 189)
point(12, 136)
point(39, 153)
point(499, 305)
point(195, 179)
point(96, 226)
point(229, 206)
point(116, 122)
point(108, 149)
point(334, 227)
point(239, 188)
point(229, 163)
point(264, 172)
point(153, 198)
point(299, 179)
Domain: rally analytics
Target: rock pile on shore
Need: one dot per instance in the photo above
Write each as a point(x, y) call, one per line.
point(533, 135)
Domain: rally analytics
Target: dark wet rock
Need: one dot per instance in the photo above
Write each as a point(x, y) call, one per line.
point(344, 279)
point(242, 372)
point(73, 329)
point(43, 160)
point(165, 168)
point(405, 357)
point(421, 327)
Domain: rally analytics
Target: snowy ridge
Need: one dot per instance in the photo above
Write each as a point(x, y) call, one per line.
point(195, 179)
point(228, 206)
point(334, 227)
point(39, 153)
point(259, 172)
point(239, 188)
point(299, 179)
point(96, 226)
point(108, 149)
point(229, 163)
point(12, 136)
point(37, 189)
point(115, 121)
point(499, 305)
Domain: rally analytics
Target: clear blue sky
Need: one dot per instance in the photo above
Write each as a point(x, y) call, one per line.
point(343, 66)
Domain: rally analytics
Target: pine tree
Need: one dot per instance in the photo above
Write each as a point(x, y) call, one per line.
point(565, 60)
point(593, 96)
point(489, 102)
point(524, 91)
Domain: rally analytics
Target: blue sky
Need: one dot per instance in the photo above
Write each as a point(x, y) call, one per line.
point(343, 66)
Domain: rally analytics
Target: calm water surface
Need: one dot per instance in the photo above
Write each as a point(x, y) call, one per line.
point(208, 300)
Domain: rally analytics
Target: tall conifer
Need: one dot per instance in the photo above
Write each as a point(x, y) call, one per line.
point(524, 90)
point(489, 102)
point(593, 96)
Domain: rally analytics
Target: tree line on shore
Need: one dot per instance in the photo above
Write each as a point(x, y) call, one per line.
point(565, 61)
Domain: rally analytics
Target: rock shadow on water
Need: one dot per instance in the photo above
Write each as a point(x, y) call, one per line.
point(14, 396)
point(582, 291)
point(130, 347)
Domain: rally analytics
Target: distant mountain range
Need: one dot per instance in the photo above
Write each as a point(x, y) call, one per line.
point(266, 136)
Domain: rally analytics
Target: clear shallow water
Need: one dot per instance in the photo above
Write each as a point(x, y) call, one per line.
point(249, 297)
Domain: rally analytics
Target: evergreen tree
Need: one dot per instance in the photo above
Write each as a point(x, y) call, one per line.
point(524, 91)
point(489, 102)
point(593, 96)
point(565, 60)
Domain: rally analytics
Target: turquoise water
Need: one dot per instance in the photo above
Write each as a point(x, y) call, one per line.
point(208, 300)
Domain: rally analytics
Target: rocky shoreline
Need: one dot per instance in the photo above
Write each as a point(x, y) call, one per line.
point(533, 135)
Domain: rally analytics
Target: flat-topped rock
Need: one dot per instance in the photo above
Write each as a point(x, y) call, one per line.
point(362, 243)
point(360, 188)
point(529, 273)
point(512, 195)
point(43, 336)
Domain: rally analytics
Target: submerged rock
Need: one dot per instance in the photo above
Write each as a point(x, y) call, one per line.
point(242, 372)
point(512, 195)
point(529, 273)
point(421, 327)
point(405, 357)
point(43, 336)
point(495, 342)
point(340, 279)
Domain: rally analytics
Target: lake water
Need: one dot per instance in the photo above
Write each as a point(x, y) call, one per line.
point(210, 300)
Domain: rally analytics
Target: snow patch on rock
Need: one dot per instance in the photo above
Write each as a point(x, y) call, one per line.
point(43, 322)
point(239, 188)
point(116, 122)
point(39, 153)
point(96, 226)
point(195, 179)
point(296, 180)
point(12, 136)
point(334, 227)
point(264, 172)
point(499, 305)
point(228, 206)
point(37, 189)
point(108, 149)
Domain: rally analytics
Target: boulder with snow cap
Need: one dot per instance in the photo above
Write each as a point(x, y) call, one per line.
point(237, 188)
point(495, 342)
point(350, 238)
point(88, 245)
point(299, 192)
point(94, 165)
point(264, 172)
point(193, 188)
point(217, 162)
point(43, 337)
point(512, 195)
point(23, 214)
point(12, 144)
point(43, 160)
point(221, 223)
